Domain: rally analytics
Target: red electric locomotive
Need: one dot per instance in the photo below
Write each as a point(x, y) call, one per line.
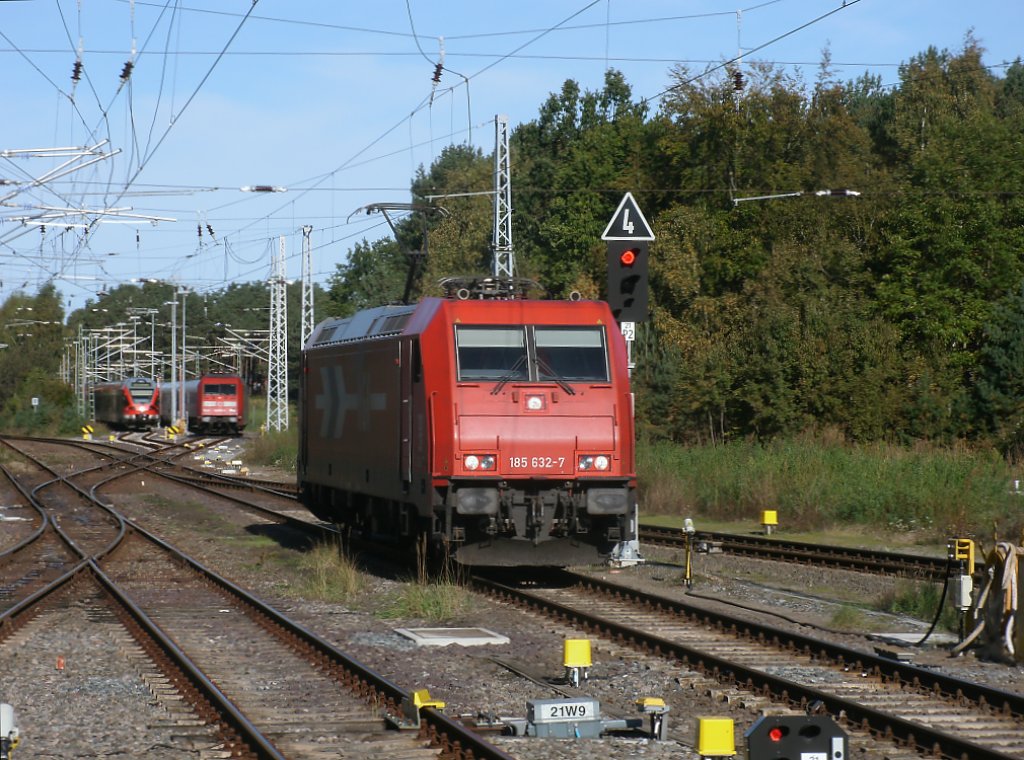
point(129, 403)
point(502, 430)
point(212, 403)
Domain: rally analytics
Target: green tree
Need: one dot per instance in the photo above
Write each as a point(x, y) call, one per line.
point(999, 389)
point(571, 166)
point(33, 338)
point(373, 275)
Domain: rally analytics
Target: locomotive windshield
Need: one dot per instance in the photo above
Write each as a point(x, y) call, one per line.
point(571, 353)
point(222, 389)
point(536, 353)
point(491, 353)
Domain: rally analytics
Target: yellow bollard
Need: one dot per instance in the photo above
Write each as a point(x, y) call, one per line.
point(576, 657)
point(770, 520)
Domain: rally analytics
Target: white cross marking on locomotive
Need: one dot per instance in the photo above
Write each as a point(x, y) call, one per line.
point(337, 403)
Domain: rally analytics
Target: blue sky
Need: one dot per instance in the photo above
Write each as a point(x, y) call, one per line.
point(334, 102)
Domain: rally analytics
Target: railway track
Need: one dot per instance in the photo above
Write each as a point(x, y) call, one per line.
point(802, 682)
point(764, 547)
point(916, 708)
point(274, 689)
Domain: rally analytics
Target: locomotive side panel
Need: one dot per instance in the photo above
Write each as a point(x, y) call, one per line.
point(352, 420)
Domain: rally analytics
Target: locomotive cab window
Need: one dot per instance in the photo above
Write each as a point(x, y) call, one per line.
point(531, 353)
point(491, 353)
point(576, 354)
point(224, 389)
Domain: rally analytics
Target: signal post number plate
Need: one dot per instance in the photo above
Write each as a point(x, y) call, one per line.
point(537, 463)
point(563, 710)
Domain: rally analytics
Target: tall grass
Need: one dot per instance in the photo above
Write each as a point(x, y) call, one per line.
point(330, 574)
point(816, 482)
point(436, 595)
point(274, 449)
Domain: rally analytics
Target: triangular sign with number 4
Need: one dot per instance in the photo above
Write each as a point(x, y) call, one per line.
point(628, 222)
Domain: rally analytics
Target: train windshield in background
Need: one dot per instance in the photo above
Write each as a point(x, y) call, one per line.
point(220, 389)
point(141, 392)
point(576, 354)
point(531, 353)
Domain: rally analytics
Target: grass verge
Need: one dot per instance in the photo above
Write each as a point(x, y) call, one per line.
point(817, 482)
point(329, 574)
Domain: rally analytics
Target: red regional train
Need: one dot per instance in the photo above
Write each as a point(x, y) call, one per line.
point(501, 430)
point(213, 404)
point(129, 403)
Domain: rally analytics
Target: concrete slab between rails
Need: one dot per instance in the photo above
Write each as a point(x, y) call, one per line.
point(442, 637)
point(910, 639)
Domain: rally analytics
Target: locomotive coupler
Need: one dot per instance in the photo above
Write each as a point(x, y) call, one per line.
point(536, 520)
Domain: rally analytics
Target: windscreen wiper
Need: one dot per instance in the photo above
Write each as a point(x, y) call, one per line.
point(510, 375)
point(555, 376)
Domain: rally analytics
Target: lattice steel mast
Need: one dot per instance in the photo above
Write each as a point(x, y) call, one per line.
point(277, 369)
point(308, 321)
point(504, 260)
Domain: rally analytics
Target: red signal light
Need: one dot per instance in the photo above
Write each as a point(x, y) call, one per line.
point(775, 734)
point(628, 258)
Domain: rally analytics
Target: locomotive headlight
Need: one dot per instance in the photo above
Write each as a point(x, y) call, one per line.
point(479, 461)
point(534, 403)
point(593, 462)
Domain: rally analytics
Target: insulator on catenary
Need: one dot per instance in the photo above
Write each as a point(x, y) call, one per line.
point(437, 73)
point(737, 81)
point(76, 71)
point(126, 72)
point(209, 230)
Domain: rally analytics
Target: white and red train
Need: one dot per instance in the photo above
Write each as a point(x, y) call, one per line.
point(500, 431)
point(129, 403)
point(208, 404)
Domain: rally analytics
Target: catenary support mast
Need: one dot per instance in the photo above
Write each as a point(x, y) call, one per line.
point(308, 320)
point(504, 260)
point(277, 371)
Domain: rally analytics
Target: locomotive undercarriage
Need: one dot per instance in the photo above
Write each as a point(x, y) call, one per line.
point(502, 523)
point(512, 527)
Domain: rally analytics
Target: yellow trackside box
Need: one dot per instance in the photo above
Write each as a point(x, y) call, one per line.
point(769, 517)
point(963, 550)
point(715, 737)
